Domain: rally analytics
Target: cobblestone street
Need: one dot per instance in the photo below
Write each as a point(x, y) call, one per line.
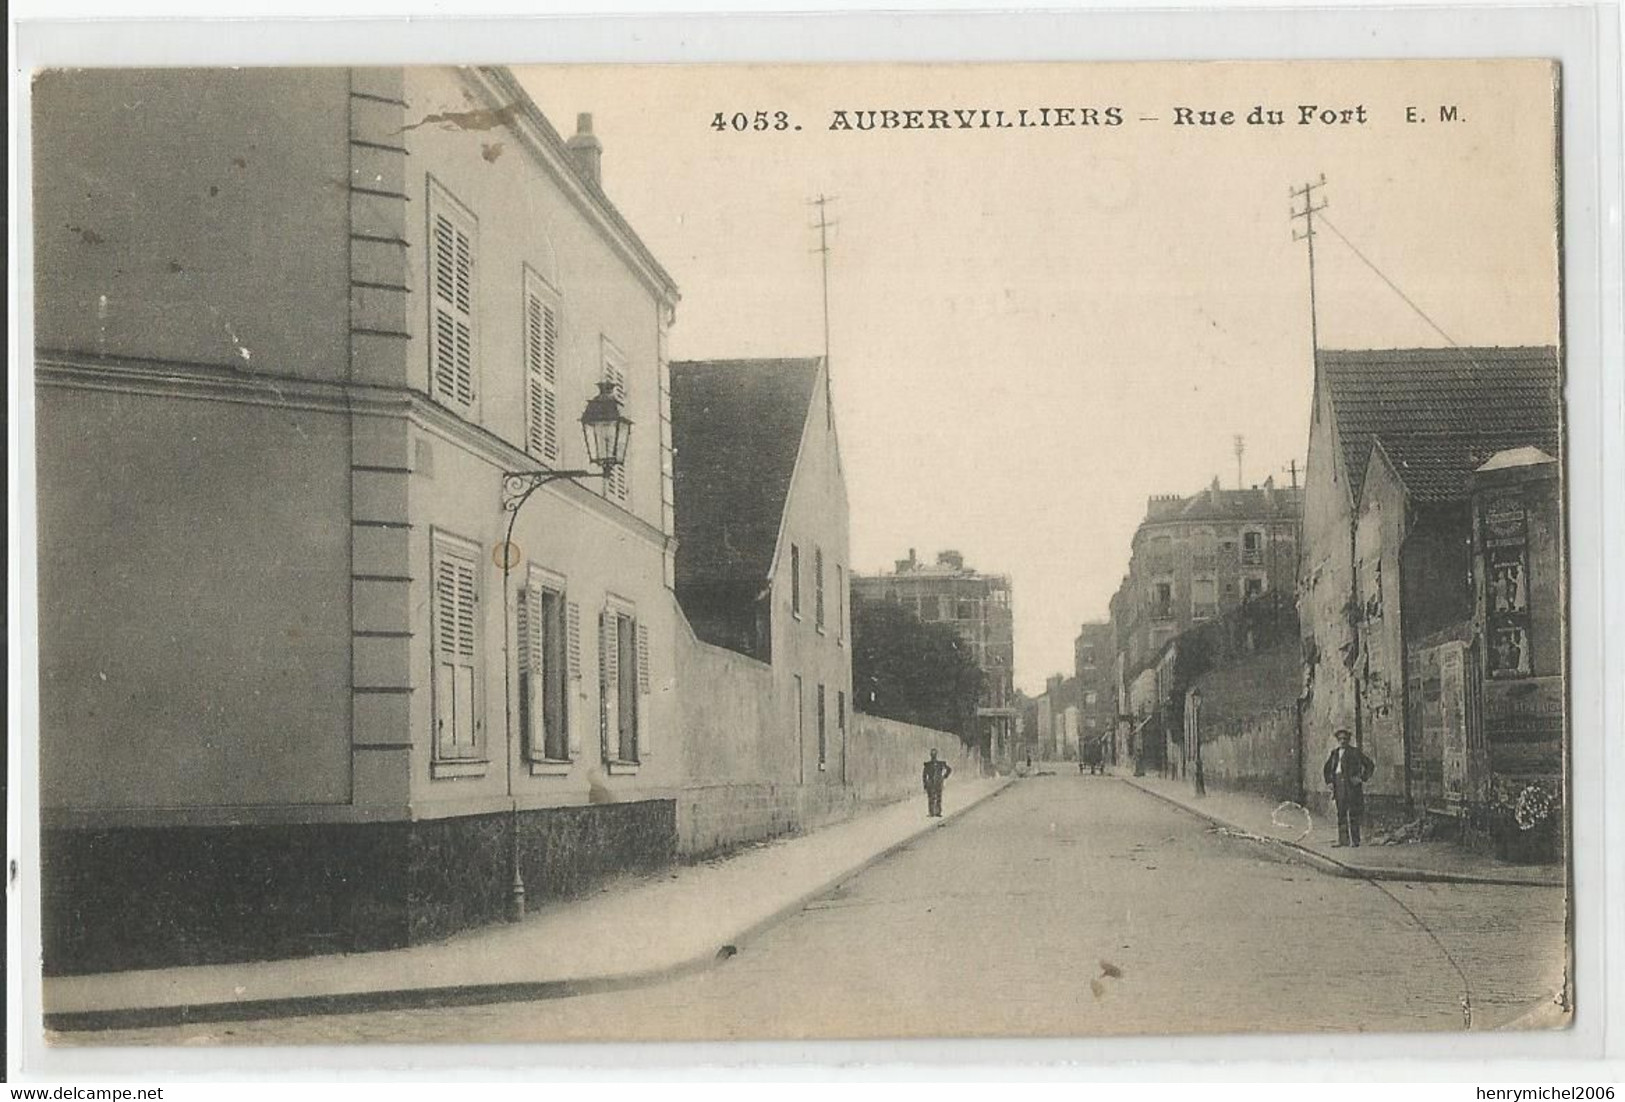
point(1068, 905)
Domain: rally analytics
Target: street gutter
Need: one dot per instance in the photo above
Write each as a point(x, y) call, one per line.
point(1333, 867)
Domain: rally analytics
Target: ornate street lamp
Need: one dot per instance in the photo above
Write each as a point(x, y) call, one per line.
point(607, 431)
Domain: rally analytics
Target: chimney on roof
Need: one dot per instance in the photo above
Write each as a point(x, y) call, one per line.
point(587, 149)
point(1158, 506)
point(951, 559)
point(1213, 491)
point(1269, 490)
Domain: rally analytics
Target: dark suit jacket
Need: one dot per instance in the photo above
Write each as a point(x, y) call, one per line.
point(1358, 766)
point(935, 772)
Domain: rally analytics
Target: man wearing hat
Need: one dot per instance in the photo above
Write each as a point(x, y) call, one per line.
point(935, 772)
point(1346, 772)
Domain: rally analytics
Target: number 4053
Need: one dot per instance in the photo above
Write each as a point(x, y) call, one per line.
point(754, 120)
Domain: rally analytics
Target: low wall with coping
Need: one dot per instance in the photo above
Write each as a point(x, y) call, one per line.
point(886, 756)
point(1249, 726)
point(742, 774)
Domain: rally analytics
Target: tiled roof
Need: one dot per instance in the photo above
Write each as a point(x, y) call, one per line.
point(1436, 466)
point(1242, 504)
point(736, 429)
point(1506, 395)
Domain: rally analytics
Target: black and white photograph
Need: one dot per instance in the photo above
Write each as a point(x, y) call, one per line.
point(576, 553)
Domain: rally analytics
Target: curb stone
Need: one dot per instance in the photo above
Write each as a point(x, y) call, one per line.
point(430, 998)
point(1333, 867)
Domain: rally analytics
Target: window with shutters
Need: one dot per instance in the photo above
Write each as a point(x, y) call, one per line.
point(840, 604)
point(801, 723)
point(795, 580)
point(623, 664)
point(542, 351)
point(452, 237)
point(544, 668)
point(818, 587)
point(668, 492)
point(616, 486)
point(823, 738)
point(459, 723)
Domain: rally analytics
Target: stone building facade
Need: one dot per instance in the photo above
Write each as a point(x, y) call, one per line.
point(1387, 563)
point(977, 606)
point(1092, 654)
point(286, 705)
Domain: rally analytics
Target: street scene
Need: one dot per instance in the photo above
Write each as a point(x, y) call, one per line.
point(901, 949)
point(698, 552)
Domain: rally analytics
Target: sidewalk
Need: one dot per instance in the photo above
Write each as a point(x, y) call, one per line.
point(1309, 839)
point(631, 932)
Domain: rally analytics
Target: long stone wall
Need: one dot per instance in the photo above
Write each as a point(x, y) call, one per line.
point(1255, 754)
point(886, 757)
point(743, 779)
point(1249, 727)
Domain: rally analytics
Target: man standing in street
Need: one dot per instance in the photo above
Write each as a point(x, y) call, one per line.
point(934, 773)
point(1346, 772)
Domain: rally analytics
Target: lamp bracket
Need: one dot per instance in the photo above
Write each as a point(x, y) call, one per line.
point(517, 486)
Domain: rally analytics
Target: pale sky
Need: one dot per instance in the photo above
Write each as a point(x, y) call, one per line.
point(1032, 330)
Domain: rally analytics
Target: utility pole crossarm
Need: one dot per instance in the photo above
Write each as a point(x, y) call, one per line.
point(823, 227)
point(1310, 209)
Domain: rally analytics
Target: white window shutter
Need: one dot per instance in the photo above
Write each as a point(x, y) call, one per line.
point(445, 668)
point(645, 742)
point(451, 344)
point(444, 351)
point(550, 378)
point(528, 629)
point(573, 715)
point(541, 377)
point(616, 485)
point(608, 732)
point(522, 618)
point(457, 718)
point(573, 645)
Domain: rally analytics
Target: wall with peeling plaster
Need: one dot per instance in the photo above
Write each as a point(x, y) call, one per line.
point(1381, 529)
point(1326, 584)
point(1248, 720)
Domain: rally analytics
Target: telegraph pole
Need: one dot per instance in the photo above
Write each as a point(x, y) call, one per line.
point(823, 227)
point(1310, 209)
point(1241, 447)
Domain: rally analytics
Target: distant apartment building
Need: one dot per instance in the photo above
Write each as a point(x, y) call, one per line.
point(1092, 656)
point(977, 606)
point(1058, 721)
point(1196, 558)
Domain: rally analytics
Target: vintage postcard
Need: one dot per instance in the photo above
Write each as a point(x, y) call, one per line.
point(705, 552)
